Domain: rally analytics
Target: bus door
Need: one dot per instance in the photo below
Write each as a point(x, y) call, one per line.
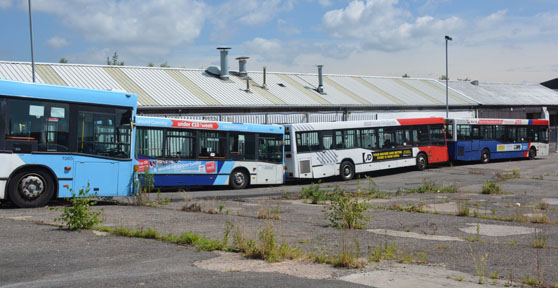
point(326, 157)
point(475, 138)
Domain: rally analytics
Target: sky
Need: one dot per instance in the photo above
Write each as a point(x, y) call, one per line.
point(508, 41)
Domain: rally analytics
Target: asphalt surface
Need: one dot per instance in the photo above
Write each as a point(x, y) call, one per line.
point(44, 256)
point(35, 254)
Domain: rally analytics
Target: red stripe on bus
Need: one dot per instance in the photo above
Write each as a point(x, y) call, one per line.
point(419, 121)
point(540, 122)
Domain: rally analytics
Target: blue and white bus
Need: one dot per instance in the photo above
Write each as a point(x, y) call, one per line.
point(487, 139)
point(200, 153)
point(55, 138)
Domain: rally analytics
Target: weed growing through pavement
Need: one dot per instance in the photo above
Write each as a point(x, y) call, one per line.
point(346, 211)
point(79, 215)
point(269, 213)
point(373, 191)
point(385, 251)
point(314, 193)
point(490, 187)
point(538, 240)
point(145, 181)
point(428, 186)
point(462, 209)
point(479, 262)
point(508, 174)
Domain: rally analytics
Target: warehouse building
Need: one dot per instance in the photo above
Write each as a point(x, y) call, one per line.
point(218, 94)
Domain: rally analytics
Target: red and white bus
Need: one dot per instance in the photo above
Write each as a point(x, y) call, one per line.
point(318, 150)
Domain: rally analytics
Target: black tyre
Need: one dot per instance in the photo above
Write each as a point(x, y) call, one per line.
point(485, 156)
point(347, 171)
point(28, 189)
point(422, 162)
point(532, 153)
point(239, 179)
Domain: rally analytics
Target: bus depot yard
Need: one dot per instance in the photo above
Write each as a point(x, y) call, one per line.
point(490, 224)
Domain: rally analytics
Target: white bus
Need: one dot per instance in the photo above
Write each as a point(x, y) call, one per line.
point(318, 150)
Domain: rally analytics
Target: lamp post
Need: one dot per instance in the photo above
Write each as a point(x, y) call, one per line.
point(448, 38)
point(31, 36)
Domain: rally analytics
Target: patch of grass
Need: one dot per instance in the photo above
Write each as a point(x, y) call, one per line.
point(512, 243)
point(269, 213)
point(508, 174)
point(540, 218)
point(392, 252)
point(442, 247)
point(542, 205)
point(538, 240)
point(187, 238)
point(459, 279)
point(264, 247)
point(428, 186)
point(528, 280)
point(540, 177)
point(346, 211)
point(491, 188)
point(493, 275)
point(383, 252)
point(412, 208)
point(462, 209)
point(79, 215)
point(314, 193)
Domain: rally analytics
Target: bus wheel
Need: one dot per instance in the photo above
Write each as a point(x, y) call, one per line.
point(485, 156)
point(347, 171)
point(239, 179)
point(31, 189)
point(532, 153)
point(421, 162)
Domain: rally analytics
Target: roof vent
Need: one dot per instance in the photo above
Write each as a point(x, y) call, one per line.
point(475, 82)
point(213, 70)
point(264, 85)
point(320, 88)
point(242, 66)
point(224, 64)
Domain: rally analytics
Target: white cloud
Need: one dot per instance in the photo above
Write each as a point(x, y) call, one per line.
point(5, 4)
point(157, 24)
point(57, 42)
point(287, 28)
point(325, 3)
point(380, 25)
point(229, 18)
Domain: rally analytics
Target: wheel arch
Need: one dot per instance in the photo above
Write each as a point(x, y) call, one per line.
point(33, 167)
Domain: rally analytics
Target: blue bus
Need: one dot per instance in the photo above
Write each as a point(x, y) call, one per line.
point(54, 139)
point(487, 139)
point(200, 153)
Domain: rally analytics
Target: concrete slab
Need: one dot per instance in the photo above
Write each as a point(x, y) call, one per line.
point(496, 230)
point(550, 201)
point(395, 233)
point(412, 276)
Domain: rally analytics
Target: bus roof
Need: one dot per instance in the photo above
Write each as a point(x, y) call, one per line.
point(65, 93)
point(487, 121)
point(208, 125)
point(364, 124)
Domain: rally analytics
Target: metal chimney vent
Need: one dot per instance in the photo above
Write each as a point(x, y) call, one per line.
point(224, 64)
point(320, 88)
point(242, 66)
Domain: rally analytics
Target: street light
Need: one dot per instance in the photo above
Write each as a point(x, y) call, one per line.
point(31, 36)
point(448, 38)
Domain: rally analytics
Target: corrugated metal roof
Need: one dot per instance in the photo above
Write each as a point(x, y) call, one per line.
point(179, 87)
point(507, 94)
